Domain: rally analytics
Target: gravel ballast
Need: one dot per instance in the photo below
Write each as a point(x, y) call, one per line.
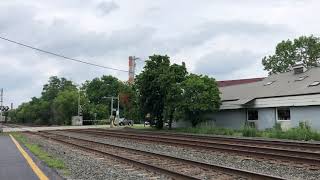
point(84, 165)
point(217, 158)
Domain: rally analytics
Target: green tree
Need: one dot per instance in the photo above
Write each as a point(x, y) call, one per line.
point(129, 103)
point(42, 110)
point(159, 88)
point(102, 87)
point(173, 79)
point(106, 86)
point(55, 85)
point(305, 50)
point(151, 85)
point(200, 95)
point(65, 106)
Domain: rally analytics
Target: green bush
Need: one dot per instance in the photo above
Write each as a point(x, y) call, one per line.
point(275, 132)
point(249, 130)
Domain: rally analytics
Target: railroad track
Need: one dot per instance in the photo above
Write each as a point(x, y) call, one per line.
point(248, 141)
point(175, 168)
point(306, 158)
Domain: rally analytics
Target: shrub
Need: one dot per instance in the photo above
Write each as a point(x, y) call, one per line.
point(302, 132)
point(275, 132)
point(248, 131)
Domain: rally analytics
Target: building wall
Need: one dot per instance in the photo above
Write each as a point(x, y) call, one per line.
point(181, 124)
point(307, 113)
point(234, 119)
point(267, 118)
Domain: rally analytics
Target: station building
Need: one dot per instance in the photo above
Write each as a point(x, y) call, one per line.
point(286, 98)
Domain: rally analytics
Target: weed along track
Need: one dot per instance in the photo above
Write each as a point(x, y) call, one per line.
point(295, 154)
point(172, 167)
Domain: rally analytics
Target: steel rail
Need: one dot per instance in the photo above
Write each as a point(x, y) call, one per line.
point(173, 174)
point(225, 170)
point(277, 154)
point(272, 142)
point(275, 143)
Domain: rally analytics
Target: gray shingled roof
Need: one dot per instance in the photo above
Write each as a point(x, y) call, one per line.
point(284, 84)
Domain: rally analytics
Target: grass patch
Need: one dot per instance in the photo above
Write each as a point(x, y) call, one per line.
point(51, 161)
point(303, 132)
point(207, 130)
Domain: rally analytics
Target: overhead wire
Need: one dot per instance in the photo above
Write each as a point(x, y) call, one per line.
point(61, 56)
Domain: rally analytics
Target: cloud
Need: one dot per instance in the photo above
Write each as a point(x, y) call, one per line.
point(226, 65)
point(224, 39)
point(105, 8)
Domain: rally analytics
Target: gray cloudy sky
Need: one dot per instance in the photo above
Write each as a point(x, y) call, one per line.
point(223, 39)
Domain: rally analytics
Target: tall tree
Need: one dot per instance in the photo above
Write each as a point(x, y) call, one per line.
point(200, 96)
point(56, 85)
point(305, 50)
point(151, 85)
point(102, 87)
point(173, 79)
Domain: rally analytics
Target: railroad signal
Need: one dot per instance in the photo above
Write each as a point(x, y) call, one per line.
point(4, 108)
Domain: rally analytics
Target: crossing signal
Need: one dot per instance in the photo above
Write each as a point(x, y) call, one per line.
point(4, 108)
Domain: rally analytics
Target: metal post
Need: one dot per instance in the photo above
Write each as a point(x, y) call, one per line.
point(1, 102)
point(111, 106)
point(79, 109)
point(119, 105)
point(1, 99)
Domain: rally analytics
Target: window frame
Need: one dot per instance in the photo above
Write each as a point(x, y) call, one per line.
point(283, 108)
point(248, 115)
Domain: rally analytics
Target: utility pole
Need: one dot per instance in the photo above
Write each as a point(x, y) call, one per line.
point(118, 112)
point(79, 106)
point(112, 106)
point(1, 103)
point(1, 99)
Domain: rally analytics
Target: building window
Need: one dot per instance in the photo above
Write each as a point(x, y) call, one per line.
point(253, 115)
point(283, 114)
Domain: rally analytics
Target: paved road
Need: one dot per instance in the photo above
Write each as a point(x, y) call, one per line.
point(13, 166)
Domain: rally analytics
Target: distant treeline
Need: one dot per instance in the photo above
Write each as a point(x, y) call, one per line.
point(59, 101)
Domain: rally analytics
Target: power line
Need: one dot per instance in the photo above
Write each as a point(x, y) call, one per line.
point(62, 56)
